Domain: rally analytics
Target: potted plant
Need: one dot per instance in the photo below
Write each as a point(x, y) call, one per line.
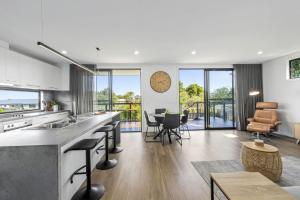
point(52, 105)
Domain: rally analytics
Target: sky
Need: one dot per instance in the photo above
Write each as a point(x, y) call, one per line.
point(7, 94)
point(218, 79)
point(122, 84)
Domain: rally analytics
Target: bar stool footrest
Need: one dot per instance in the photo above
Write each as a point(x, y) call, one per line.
point(100, 148)
point(77, 172)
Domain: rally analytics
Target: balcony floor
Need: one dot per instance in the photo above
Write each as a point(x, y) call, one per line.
point(216, 122)
point(192, 124)
point(130, 126)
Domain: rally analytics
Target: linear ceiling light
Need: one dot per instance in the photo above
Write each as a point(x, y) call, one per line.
point(64, 57)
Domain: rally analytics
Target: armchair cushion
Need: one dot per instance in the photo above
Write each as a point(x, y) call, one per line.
point(259, 127)
point(265, 118)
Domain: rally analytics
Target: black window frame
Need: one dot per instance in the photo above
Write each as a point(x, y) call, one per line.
point(23, 90)
point(290, 68)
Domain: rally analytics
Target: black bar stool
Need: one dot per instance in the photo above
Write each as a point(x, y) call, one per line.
point(115, 148)
point(106, 164)
point(91, 191)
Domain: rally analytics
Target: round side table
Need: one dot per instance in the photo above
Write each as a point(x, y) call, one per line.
point(265, 160)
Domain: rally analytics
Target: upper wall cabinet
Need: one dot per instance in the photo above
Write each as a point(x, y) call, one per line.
point(17, 70)
point(2, 68)
point(12, 68)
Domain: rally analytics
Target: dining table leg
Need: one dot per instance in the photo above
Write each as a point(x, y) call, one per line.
point(158, 134)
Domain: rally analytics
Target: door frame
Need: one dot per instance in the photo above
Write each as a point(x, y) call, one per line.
point(206, 99)
point(206, 90)
point(110, 85)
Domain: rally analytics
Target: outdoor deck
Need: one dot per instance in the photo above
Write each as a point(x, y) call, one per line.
point(192, 124)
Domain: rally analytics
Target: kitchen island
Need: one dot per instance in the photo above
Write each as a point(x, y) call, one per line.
point(34, 165)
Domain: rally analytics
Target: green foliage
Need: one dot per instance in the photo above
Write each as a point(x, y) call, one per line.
point(221, 93)
point(123, 103)
point(184, 97)
point(2, 110)
point(295, 68)
point(194, 93)
point(195, 90)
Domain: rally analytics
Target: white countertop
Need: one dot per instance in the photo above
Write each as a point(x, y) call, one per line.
point(56, 137)
point(27, 115)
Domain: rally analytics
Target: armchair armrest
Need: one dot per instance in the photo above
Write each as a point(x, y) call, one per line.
point(250, 120)
point(278, 123)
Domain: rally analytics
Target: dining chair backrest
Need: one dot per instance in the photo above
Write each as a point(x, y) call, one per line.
point(160, 110)
point(186, 113)
point(185, 117)
point(172, 121)
point(146, 117)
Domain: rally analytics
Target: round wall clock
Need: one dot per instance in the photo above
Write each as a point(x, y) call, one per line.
point(160, 81)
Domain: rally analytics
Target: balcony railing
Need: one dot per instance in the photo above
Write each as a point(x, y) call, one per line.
point(221, 108)
point(130, 112)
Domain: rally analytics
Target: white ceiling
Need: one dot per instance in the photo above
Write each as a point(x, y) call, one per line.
point(164, 31)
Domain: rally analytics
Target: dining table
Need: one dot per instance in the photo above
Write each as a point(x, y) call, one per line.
point(160, 117)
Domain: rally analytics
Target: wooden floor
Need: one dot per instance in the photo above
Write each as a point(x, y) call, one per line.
point(155, 172)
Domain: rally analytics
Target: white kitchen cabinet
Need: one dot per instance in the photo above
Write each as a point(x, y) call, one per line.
point(2, 65)
point(31, 73)
point(12, 73)
point(52, 78)
point(21, 71)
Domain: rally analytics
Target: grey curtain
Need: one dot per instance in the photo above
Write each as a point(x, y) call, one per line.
point(247, 77)
point(82, 88)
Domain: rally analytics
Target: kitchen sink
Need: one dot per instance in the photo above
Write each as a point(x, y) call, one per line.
point(59, 124)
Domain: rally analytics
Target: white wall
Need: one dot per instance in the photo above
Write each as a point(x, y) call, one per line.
point(277, 87)
point(152, 99)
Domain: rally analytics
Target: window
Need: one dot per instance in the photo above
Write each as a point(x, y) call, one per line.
point(15, 100)
point(294, 68)
point(119, 90)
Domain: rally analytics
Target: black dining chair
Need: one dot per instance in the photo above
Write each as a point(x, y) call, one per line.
point(184, 125)
point(150, 124)
point(171, 126)
point(160, 120)
point(160, 110)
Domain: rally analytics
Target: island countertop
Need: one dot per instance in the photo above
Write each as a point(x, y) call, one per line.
point(57, 137)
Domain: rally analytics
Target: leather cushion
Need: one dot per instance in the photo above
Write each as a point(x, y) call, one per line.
point(267, 105)
point(259, 127)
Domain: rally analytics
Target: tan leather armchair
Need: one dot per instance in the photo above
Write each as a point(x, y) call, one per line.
point(265, 119)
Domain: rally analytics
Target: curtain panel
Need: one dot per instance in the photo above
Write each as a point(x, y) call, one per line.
point(82, 88)
point(248, 77)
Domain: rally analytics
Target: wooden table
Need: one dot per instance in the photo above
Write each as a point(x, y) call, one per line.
point(266, 160)
point(247, 186)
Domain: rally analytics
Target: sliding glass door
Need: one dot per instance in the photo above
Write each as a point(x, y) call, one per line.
point(103, 90)
point(208, 96)
point(119, 90)
point(191, 96)
point(126, 98)
point(219, 98)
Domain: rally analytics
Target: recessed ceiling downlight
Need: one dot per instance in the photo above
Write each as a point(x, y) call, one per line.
point(193, 52)
point(136, 52)
point(64, 52)
point(260, 52)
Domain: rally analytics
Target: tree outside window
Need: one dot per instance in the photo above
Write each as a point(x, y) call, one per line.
point(295, 68)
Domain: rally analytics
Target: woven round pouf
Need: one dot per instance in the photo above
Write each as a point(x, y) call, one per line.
point(264, 159)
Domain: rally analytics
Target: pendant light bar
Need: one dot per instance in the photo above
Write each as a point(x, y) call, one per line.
point(64, 57)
